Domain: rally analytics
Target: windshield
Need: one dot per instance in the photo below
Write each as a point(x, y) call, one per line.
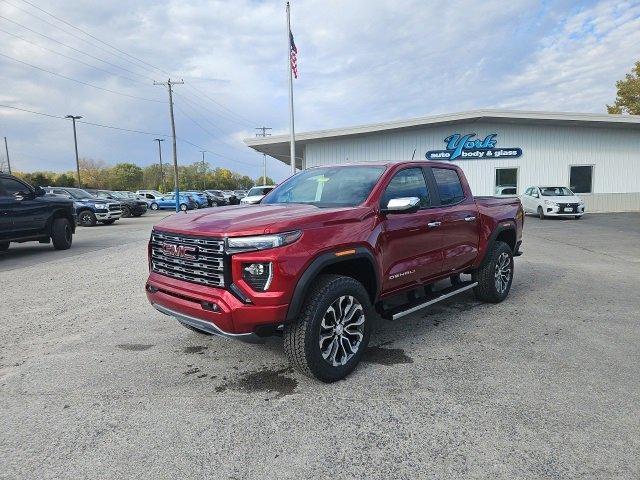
point(259, 191)
point(556, 192)
point(79, 193)
point(327, 186)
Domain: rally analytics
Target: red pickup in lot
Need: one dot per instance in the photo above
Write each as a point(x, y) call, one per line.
point(328, 250)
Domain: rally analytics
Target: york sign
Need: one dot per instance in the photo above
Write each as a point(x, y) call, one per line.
point(469, 147)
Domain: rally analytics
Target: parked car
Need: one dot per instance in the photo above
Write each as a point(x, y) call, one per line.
point(230, 197)
point(131, 207)
point(27, 214)
point(256, 194)
point(89, 209)
point(240, 194)
point(552, 202)
point(327, 251)
point(169, 202)
point(201, 200)
point(150, 194)
point(218, 198)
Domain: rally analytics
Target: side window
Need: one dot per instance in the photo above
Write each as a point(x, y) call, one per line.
point(14, 188)
point(407, 183)
point(148, 195)
point(528, 191)
point(449, 186)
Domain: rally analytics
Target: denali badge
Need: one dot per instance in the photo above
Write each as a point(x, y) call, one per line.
point(401, 274)
point(179, 250)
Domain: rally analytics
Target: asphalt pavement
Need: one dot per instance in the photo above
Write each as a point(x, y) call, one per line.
point(94, 383)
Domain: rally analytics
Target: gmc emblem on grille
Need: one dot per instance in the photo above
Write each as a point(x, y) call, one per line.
point(181, 251)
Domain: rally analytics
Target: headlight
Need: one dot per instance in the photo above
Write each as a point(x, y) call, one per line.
point(100, 206)
point(258, 275)
point(262, 242)
point(551, 204)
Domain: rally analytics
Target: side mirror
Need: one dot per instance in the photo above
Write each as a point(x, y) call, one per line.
point(402, 205)
point(535, 195)
point(39, 192)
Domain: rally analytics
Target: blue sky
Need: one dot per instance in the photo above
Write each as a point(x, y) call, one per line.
point(359, 62)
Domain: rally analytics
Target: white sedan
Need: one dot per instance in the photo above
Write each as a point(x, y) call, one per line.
point(256, 194)
point(552, 202)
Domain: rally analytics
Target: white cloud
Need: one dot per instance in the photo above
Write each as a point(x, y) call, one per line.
point(359, 61)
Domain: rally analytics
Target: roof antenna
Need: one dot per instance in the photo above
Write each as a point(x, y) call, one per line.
point(414, 154)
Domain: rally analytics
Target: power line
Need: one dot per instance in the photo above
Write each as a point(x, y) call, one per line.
point(149, 79)
point(80, 81)
point(221, 114)
point(244, 119)
point(71, 58)
point(92, 36)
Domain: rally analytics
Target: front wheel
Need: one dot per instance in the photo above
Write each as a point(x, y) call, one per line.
point(332, 332)
point(540, 213)
point(87, 218)
point(61, 234)
point(578, 217)
point(154, 206)
point(495, 275)
point(184, 207)
point(126, 212)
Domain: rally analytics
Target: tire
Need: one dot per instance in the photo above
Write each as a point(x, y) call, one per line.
point(86, 218)
point(138, 214)
point(490, 288)
point(4, 246)
point(540, 213)
point(126, 212)
point(61, 234)
point(108, 222)
point(184, 207)
point(578, 217)
point(154, 206)
point(302, 339)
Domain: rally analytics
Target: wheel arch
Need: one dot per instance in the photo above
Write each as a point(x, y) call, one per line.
point(359, 265)
point(60, 213)
point(504, 232)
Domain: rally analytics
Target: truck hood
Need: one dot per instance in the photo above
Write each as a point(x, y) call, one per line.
point(259, 219)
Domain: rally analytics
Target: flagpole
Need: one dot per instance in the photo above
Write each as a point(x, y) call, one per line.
point(291, 122)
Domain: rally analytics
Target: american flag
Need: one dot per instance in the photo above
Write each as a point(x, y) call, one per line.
point(294, 55)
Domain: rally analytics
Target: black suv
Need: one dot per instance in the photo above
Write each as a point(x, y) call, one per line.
point(131, 207)
point(27, 215)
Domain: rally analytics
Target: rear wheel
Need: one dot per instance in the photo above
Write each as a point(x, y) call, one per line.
point(86, 218)
point(61, 234)
point(495, 275)
point(332, 332)
point(540, 213)
point(184, 207)
point(126, 211)
point(153, 206)
point(4, 246)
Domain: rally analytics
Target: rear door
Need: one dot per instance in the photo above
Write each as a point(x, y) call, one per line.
point(459, 230)
point(412, 248)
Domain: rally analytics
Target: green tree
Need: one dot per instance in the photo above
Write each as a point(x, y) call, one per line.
point(64, 180)
point(126, 176)
point(262, 181)
point(628, 93)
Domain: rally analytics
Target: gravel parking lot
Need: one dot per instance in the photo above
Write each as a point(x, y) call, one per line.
point(94, 383)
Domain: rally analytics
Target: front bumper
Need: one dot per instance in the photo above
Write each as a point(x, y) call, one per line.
point(115, 215)
point(552, 211)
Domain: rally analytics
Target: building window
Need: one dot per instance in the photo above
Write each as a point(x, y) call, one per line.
point(581, 178)
point(506, 181)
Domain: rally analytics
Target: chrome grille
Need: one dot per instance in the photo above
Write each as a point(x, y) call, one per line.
point(207, 267)
point(115, 207)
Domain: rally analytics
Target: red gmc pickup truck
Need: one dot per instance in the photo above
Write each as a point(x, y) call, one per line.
point(328, 250)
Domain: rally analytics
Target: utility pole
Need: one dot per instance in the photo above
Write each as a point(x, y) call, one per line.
point(6, 149)
point(75, 141)
point(169, 84)
point(204, 171)
point(263, 133)
point(160, 155)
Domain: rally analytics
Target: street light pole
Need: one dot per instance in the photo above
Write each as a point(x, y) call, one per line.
point(204, 179)
point(160, 155)
point(6, 149)
point(75, 141)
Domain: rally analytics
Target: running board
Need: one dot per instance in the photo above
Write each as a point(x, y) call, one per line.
point(402, 310)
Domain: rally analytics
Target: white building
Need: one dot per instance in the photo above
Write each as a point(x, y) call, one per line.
point(596, 155)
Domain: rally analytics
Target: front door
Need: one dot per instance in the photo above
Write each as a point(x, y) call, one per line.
point(28, 213)
point(6, 209)
point(411, 241)
point(460, 227)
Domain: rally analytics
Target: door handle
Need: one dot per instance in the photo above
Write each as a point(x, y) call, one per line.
point(434, 224)
point(470, 218)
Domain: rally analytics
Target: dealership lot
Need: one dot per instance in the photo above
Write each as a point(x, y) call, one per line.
point(94, 383)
